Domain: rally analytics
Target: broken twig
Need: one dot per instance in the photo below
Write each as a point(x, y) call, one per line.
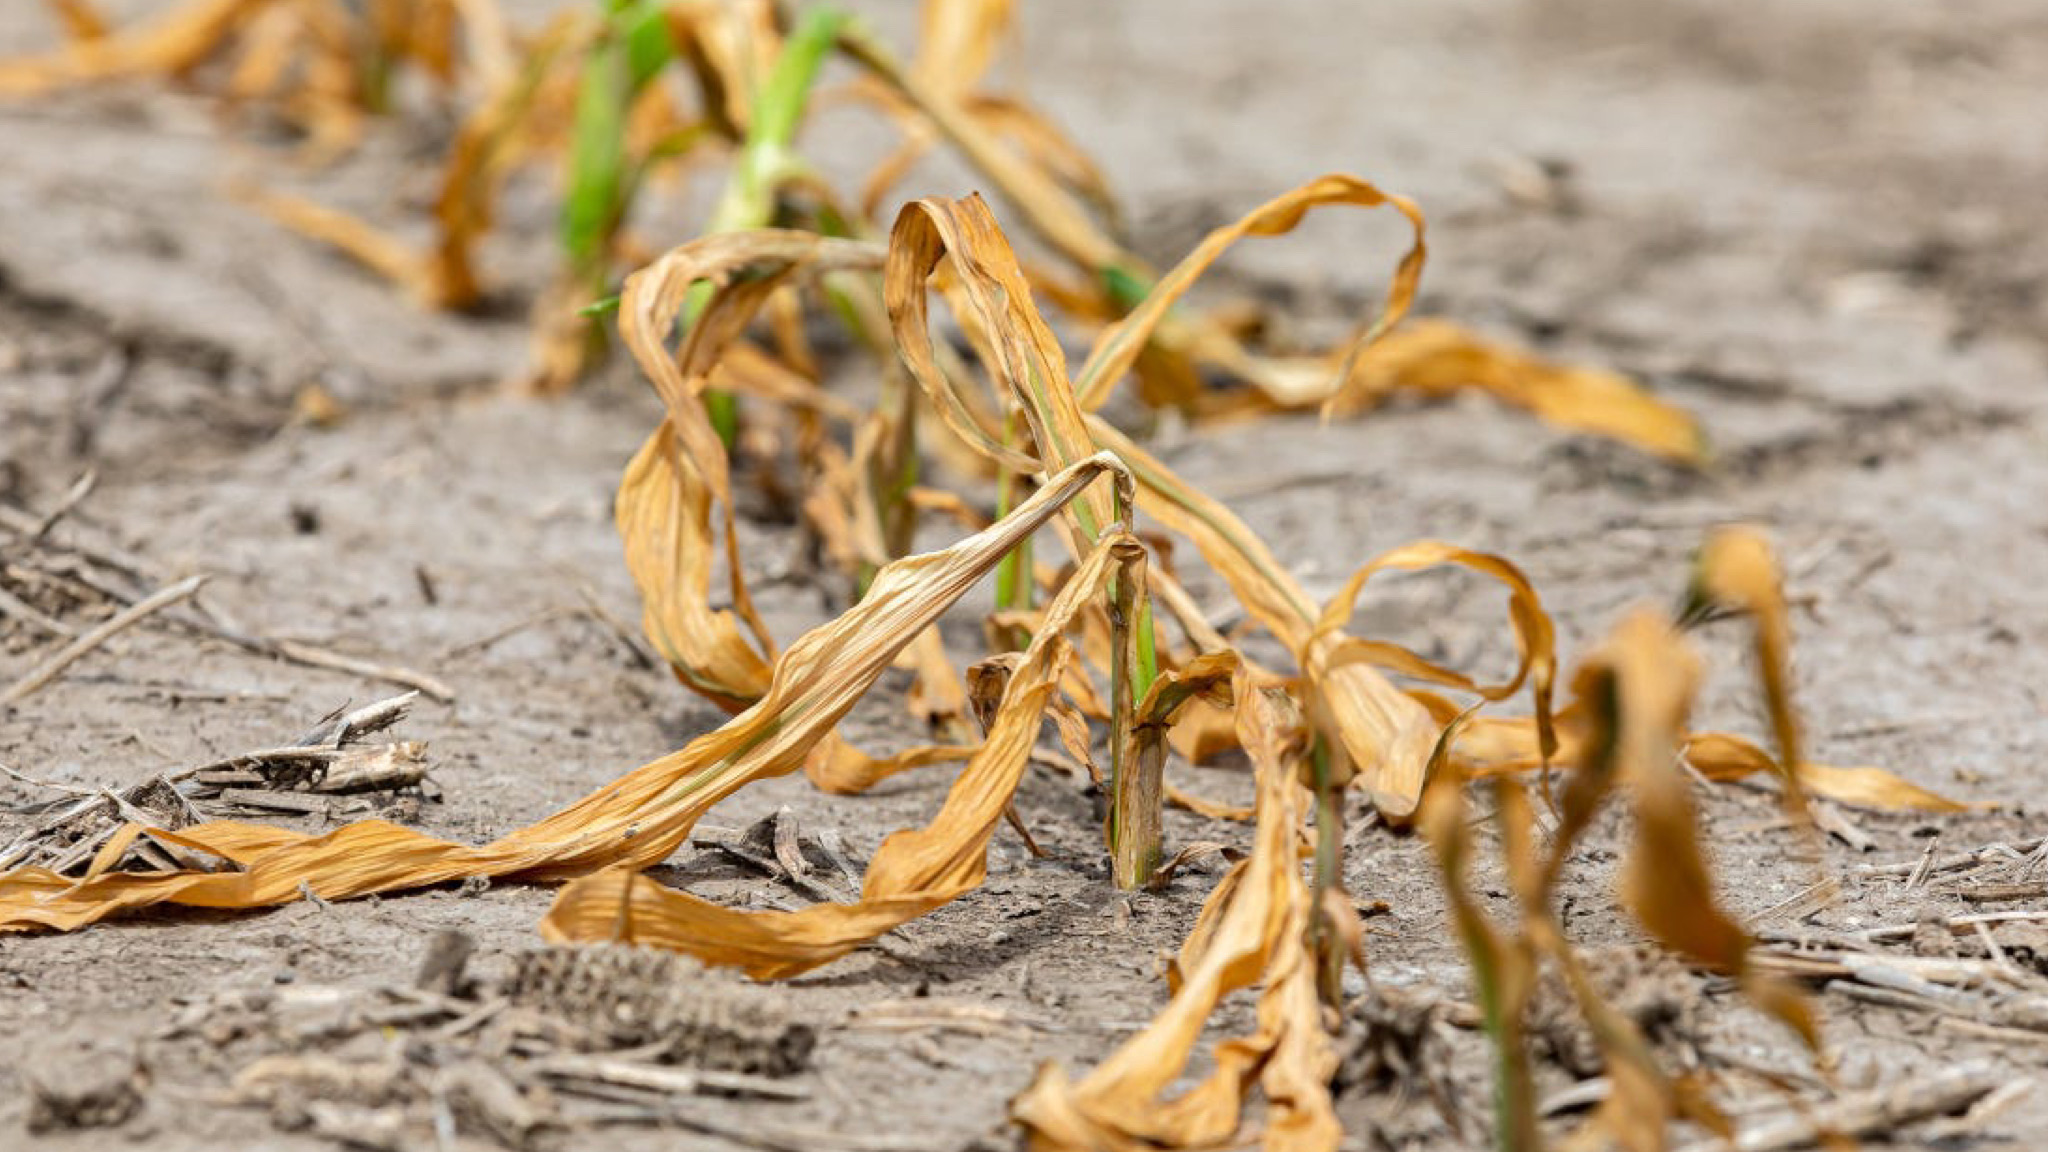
point(77, 649)
point(1870, 1113)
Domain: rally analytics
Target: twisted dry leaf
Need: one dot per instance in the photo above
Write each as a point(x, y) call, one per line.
point(635, 821)
point(175, 43)
point(1329, 649)
point(913, 872)
point(1736, 572)
point(1252, 931)
point(1639, 689)
point(1119, 347)
point(1384, 733)
point(665, 502)
point(1436, 358)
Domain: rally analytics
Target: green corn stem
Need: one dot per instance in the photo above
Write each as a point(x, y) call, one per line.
point(1148, 650)
point(1136, 811)
point(376, 80)
point(1015, 588)
point(1328, 876)
point(596, 157)
point(1013, 576)
point(766, 161)
point(1137, 764)
point(1502, 1011)
point(1503, 1004)
point(633, 48)
point(1091, 528)
point(630, 50)
point(1127, 287)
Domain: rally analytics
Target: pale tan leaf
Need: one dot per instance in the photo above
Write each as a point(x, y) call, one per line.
point(633, 822)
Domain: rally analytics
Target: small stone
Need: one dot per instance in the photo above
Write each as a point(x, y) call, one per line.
point(73, 1087)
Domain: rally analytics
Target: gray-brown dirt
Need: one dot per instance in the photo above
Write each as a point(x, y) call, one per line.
point(1817, 226)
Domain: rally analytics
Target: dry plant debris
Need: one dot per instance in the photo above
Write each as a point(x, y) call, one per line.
point(549, 1043)
point(326, 772)
point(723, 317)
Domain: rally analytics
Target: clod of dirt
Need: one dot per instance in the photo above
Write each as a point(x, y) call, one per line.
point(1649, 987)
point(444, 968)
point(94, 1086)
point(1394, 1051)
point(1931, 936)
point(2025, 944)
point(635, 996)
point(393, 1102)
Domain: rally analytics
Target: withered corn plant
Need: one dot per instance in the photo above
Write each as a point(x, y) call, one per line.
point(322, 66)
point(629, 95)
point(1334, 722)
point(1111, 638)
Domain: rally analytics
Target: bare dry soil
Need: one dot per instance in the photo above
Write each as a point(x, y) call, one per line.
point(1817, 226)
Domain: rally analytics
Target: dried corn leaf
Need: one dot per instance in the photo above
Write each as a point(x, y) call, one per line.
point(1535, 641)
point(1737, 570)
point(329, 56)
point(489, 143)
point(1251, 931)
point(492, 139)
point(321, 65)
point(1207, 682)
point(958, 41)
point(913, 872)
point(176, 43)
point(1202, 734)
point(1207, 679)
point(936, 695)
point(1719, 756)
point(731, 45)
point(1639, 689)
point(1118, 348)
point(839, 768)
point(1036, 194)
point(80, 19)
point(266, 55)
point(1018, 347)
point(1384, 733)
point(1640, 1101)
point(1205, 807)
point(377, 250)
point(666, 500)
point(664, 516)
point(1437, 358)
point(1498, 746)
point(634, 821)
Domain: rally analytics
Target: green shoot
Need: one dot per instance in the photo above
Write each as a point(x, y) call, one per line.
point(767, 160)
